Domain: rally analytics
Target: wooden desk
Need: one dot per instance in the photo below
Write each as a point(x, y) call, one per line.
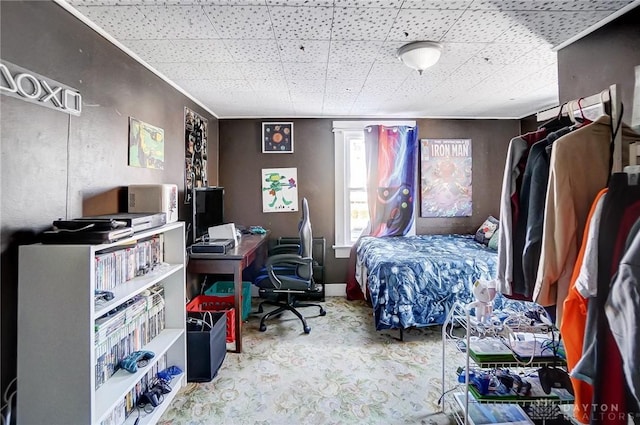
point(250, 249)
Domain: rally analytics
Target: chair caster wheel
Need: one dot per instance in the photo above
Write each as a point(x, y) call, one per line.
point(323, 312)
point(263, 328)
point(307, 329)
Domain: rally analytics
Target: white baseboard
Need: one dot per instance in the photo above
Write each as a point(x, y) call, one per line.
point(330, 290)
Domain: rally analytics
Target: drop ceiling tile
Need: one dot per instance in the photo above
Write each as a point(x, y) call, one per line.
point(178, 70)
point(253, 50)
point(122, 22)
point(501, 78)
point(179, 21)
point(542, 55)
point(389, 71)
point(335, 110)
point(152, 50)
point(422, 24)
point(307, 109)
point(502, 53)
point(378, 88)
point(200, 51)
point(240, 22)
point(354, 71)
point(549, 27)
point(268, 85)
point(354, 51)
point(478, 26)
point(306, 86)
point(332, 98)
point(458, 53)
point(306, 96)
point(362, 23)
point(439, 72)
point(388, 53)
point(570, 5)
point(212, 2)
point(417, 87)
point(470, 74)
point(328, 3)
point(301, 23)
point(304, 50)
point(270, 97)
point(219, 71)
point(365, 108)
point(231, 2)
point(215, 86)
point(304, 71)
point(346, 86)
point(437, 4)
point(262, 70)
point(111, 2)
point(369, 3)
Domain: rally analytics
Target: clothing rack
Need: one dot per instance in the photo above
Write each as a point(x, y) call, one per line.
point(609, 97)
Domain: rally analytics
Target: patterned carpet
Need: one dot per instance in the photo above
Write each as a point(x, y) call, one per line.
point(343, 372)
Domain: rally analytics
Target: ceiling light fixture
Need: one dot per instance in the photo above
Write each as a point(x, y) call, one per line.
point(420, 55)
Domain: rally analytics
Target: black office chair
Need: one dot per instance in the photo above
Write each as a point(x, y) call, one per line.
point(288, 276)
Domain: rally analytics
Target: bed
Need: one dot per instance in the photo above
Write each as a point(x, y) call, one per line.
point(412, 281)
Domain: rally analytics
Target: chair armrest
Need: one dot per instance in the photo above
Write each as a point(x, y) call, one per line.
point(284, 249)
point(291, 259)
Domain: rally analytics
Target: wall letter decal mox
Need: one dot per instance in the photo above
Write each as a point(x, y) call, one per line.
point(21, 83)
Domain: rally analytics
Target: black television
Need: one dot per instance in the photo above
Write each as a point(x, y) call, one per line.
point(207, 204)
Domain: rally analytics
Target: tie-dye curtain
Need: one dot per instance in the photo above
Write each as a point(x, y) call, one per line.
point(392, 157)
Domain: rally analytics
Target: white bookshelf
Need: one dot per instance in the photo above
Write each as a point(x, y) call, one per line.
point(56, 338)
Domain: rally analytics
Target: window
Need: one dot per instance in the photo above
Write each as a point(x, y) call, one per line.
point(352, 211)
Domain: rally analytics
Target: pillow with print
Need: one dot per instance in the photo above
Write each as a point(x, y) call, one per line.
point(487, 229)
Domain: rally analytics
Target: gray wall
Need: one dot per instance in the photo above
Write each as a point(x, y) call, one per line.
point(241, 160)
point(53, 163)
point(604, 57)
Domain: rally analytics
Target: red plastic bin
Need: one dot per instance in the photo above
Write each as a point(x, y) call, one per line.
point(204, 303)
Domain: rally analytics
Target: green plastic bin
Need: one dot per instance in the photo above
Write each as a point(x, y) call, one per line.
point(225, 288)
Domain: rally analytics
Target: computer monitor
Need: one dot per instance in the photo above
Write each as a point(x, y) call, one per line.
point(208, 210)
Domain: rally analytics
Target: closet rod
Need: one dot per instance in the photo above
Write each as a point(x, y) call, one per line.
point(611, 96)
point(602, 97)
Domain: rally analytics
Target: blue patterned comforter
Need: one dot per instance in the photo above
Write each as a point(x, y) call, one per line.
point(414, 280)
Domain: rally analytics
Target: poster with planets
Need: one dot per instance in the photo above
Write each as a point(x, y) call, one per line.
point(277, 137)
point(445, 177)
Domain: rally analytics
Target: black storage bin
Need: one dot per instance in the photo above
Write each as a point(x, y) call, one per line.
point(206, 347)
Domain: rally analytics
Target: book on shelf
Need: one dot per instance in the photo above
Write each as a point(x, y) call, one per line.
point(492, 413)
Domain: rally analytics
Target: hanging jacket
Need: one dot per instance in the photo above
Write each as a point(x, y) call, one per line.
point(514, 168)
point(579, 169)
point(572, 328)
point(623, 312)
point(528, 228)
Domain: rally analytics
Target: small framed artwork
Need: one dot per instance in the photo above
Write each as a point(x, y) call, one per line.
point(279, 189)
point(277, 137)
point(146, 145)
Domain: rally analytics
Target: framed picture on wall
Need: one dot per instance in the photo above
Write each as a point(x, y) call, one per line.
point(279, 190)
point(445, 177)
point(146, 145)
point(277, 137)
point(195, 144)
